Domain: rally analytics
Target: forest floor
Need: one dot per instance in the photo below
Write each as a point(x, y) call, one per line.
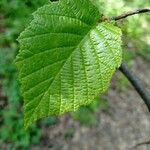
point(124, 125)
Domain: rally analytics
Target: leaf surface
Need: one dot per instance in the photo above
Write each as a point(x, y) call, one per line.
point(66, 58)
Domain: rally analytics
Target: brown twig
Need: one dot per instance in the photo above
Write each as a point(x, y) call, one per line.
point(136, 83)
point(130, 13)
point(125, 70)
point(141, 144)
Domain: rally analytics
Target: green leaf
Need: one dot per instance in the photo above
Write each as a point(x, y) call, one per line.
point(66, 58)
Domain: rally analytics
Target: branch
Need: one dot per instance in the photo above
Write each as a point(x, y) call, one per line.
point(142, 143)
point(130, 13)
point(136, 83)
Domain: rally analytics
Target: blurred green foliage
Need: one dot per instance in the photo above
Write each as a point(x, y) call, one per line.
point(11, 127)
point(14, 17)
point(86, 115)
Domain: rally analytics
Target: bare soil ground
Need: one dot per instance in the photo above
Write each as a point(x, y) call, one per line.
point(122, 126)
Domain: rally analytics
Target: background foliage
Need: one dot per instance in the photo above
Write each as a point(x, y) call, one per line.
point(14, 17)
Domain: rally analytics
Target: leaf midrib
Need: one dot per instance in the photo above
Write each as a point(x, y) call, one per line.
point(92, 27)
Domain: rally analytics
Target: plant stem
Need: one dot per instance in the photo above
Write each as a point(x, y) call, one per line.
point(130, 13)
point(142, 143)
point(136, 83)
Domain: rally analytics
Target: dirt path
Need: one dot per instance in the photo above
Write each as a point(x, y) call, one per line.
point(123, 125)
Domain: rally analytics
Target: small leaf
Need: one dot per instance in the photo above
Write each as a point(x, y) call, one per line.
point(66, 58)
